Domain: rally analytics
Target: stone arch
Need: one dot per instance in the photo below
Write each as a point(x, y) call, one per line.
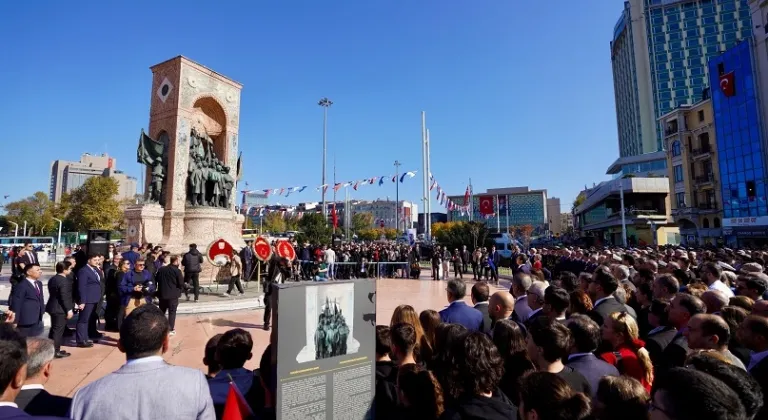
point(716, 222)
point(212, 116)
point(705, 223)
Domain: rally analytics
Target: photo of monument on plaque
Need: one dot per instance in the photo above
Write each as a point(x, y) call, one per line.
point(329, 326)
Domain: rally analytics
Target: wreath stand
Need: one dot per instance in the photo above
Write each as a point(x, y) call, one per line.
point(213, 280)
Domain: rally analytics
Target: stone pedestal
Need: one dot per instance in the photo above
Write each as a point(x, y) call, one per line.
point(203, 225)
point(144, 224)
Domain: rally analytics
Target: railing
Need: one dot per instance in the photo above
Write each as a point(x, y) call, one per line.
point(707, 206)
point(705, 178)
point(701, 151)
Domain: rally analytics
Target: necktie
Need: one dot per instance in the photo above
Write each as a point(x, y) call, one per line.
point(37, 289)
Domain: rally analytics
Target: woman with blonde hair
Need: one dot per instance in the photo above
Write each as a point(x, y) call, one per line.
point(406, 314)
point(629, 354)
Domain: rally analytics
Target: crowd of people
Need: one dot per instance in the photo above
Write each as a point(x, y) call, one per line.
point(654, 333)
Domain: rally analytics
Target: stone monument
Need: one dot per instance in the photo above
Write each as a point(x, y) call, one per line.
point(190, 151)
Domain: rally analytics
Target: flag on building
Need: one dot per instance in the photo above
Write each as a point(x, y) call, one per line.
point(466, 196)
point(486, 205)
point(728, 84)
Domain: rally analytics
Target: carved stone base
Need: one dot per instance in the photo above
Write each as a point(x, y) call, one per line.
point(203, 225)
point(144, 224)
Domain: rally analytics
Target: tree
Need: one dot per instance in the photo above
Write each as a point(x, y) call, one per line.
point(579, 199)
point(291, 223)
point(93, 205)
point(390, 233)
point(314, 229)
point(525, 233)
point(37, 210)
point(361, 221)
point(456, 234)
point(369, 234)
point(274, 222)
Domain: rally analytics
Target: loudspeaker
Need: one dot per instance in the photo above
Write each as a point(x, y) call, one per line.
point(98, 242)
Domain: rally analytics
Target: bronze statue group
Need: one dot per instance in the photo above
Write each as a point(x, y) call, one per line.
point(331, 333)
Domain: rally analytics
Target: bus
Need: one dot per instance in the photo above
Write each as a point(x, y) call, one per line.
point(40, 243)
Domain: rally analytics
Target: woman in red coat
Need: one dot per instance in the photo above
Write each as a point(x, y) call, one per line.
point(629, 354)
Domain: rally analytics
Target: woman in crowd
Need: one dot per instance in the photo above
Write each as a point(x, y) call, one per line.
point(419, 392)
point(546, 396)
point(446, 337)
point(406, 314)
point(580, 303)
point(629, 354)
point(429, 320)
point(509, 338)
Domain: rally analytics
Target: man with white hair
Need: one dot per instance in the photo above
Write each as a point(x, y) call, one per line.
point(521, 282)
point(536, 300)
point(33, 398)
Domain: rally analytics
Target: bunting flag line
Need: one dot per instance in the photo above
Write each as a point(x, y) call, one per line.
point(287, 191)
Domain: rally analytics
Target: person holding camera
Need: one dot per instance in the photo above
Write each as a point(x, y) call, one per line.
point(136, 289)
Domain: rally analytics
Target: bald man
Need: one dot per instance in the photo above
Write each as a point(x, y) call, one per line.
point(714, 300)
point(711, 332)
point(500, 306)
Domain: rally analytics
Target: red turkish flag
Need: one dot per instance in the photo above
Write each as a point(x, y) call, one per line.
point(236, 408)
point(728, 84)
point(466, 196)
point(486, 205)
point(334, 218)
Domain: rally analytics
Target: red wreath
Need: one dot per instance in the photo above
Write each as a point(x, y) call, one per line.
point(285, 250)
point(220, 252)
point(261, 249)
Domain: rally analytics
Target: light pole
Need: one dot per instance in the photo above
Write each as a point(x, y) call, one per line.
point(397, 196)
point(325, 103)
point(25, 228)
point(58, 241)
point(16, 231)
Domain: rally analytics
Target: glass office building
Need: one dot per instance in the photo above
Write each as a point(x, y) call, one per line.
point(660, 50)
point(741, 152)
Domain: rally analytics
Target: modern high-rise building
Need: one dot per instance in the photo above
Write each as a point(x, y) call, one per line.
point(67, 176)
point(659, 54)
point(512, 207)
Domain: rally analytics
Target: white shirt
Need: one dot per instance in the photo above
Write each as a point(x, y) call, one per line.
point(148, 359)
point(721, 287)
point(756, 358)
point(8, 404)
point(32, 386)
point(330, 256)
point(34, 284)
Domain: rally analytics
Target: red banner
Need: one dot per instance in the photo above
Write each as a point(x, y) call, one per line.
point(728, 84)
point(486, 205)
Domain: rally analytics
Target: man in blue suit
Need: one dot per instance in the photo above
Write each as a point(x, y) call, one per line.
point(28, 302)
point(586, 337)
point(89, 286)
point(458, 312)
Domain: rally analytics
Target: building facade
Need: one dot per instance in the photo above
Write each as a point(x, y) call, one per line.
point(741, 145)
point(67, 175)
point(512, 207)
point(659, 52)
point(759, 11)
point(553, 221)
point(694, 174)
point(385, 212)
point(646, 213)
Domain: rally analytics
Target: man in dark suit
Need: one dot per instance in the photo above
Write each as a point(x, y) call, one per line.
point(60, 305)
point(33, 398)
point(681, 310)
point(586, 338)
point(28, 302)
point(89, 286)
point(494, 259)
point(29, 257)
point(457, 311)
point(600, 289)
point(13, 364)
point(753, 334)
point(170, 283)
point(480, 294)
point(661, 333)
point(535, 299)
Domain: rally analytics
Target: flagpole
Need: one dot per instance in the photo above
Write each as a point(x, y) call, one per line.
point(425, 174)
point(470, 207)
point(498, 215)
point(506, 201)
point(334, 190)
point(429, 196)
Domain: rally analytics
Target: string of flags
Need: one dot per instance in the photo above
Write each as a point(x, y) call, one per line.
point(449, 204)
point(380, 180)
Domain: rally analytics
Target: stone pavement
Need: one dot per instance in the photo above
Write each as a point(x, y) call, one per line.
point(194, 330)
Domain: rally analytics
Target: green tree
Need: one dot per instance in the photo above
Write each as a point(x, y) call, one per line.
point(274, 222)
point(37, 210)
point(361, 221)
point(314, 229)
point(370, 234)
point(291, 223)
point(93, 205)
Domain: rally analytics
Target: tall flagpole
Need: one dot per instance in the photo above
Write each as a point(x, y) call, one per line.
point(429, 195)
point(334, 191)
point(470, 207)
point(424, 174)
point(506, 202)
point(498, 214)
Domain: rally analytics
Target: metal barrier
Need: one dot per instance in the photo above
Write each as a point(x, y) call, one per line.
point(354, 269)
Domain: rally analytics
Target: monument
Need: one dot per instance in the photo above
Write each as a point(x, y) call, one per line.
point(192, 163)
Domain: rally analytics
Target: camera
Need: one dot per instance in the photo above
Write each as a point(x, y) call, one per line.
point(3, 316)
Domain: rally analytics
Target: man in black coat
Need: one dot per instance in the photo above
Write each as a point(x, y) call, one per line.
point(33, 398)
point(170, 283)
point(753, 333)
point(29, 303)
point(661, 333)
point(480, 294)
point(601, 289)
point(586, 338)
point(681, 310)
point(60, 306)
point(193, 265)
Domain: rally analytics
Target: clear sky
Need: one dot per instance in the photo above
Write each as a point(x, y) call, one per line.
point(516, 92)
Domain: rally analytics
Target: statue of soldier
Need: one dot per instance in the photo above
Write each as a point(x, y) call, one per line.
point(214, 176)
point(227, 183)
point(157, 182)
point(196, 182)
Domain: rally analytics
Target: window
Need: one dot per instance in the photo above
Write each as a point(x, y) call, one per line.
point(716, 222)
point(678, 173)
point(701, 115)
point(751, 190)
point(676, 148)
point(720, 69)
point(705, 223)
point(680, 200)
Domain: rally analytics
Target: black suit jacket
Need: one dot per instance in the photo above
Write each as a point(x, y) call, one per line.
point(760, 373)
point(60, 300)
point(483, 308)
point(605, 308)
point(170, 282)
point(657, 342)
point(675, 353)
point(39, 402)
point(28, 305)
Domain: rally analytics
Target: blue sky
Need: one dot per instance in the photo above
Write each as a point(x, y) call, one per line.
point(516, 92)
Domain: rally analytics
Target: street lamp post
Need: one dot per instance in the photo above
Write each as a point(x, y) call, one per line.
point(16, 231)
point(397, 196)
point(325, 103)
point(25, 228)
point(58, 241)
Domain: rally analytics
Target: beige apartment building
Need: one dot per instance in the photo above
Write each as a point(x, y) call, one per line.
point(694, 174)
point(67, 175)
